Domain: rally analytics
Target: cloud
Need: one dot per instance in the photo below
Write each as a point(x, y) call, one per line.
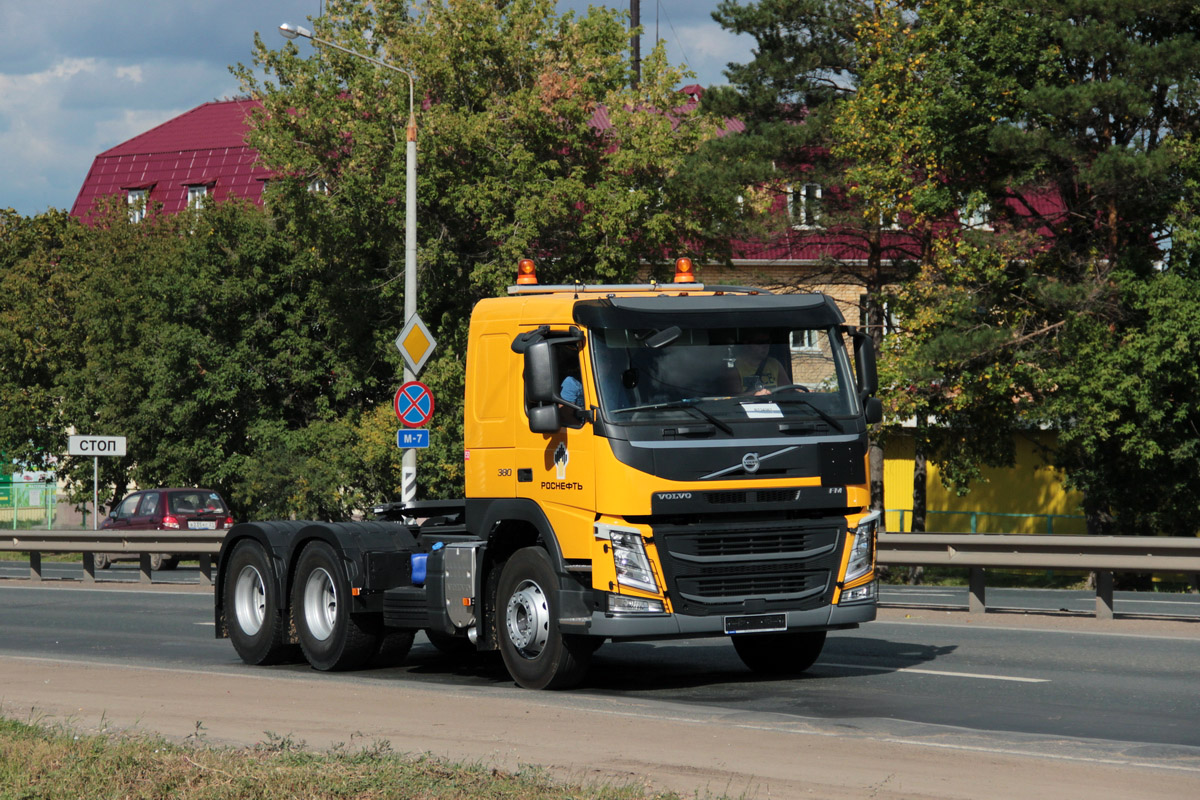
point(711, 48)
point(80, 76)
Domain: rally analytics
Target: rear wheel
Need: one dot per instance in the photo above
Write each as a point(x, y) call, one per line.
point(156, 561)
point(101, 560)
point(252, 607)
point(779, 653)
point(450, 645)
point(536, 654)
point(330, 636)
point(393, 649)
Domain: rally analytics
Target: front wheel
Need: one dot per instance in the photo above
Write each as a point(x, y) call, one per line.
point(779, 653)
point(252, 607)
point(536, 654)
point(101, 560)
point(331, 638)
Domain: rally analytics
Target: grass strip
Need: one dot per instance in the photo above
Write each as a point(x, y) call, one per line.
point(51, 761)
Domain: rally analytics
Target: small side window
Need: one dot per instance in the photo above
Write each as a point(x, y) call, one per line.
point(149, 505)
point(128, 506)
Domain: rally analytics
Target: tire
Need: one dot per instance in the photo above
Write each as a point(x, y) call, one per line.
point(779, 653)
point(393, 649)
point(253, 612)
point(330, 636)
point(156, 561)
point(452, 646)
point(101, 560)
point(536, 654)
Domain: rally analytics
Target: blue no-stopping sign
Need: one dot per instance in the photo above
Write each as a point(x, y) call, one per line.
point(414, 404)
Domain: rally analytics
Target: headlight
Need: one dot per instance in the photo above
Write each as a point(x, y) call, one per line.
point(862, 551)
point(629, 558)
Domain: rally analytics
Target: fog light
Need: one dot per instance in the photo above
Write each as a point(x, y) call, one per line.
point(623, 604)
point(860, 594)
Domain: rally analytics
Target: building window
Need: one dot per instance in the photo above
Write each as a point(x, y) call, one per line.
point(889, 220)
point(979, 219)
point(804, 206)
point(318, 186)
point(805, 340)
point(196, 195)
point(889, 319)
point(138, 200)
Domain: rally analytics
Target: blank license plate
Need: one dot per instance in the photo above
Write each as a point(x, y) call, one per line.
point(756, 623)
point(202, 525)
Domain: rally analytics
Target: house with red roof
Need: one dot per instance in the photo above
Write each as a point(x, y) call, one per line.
point(200, 156)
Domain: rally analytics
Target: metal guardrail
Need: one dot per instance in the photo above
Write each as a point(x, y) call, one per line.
point(204, 544)
point(1101, 555)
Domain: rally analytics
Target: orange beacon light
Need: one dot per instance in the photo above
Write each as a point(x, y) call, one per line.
point(526, 272)
point(684, 271)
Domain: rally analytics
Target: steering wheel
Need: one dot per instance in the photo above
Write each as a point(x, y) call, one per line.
point(793, 386)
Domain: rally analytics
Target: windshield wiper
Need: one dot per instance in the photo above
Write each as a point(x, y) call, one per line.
point(810, 404)
point(688, 404)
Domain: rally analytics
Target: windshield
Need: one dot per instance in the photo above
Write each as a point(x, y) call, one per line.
point(726, 373)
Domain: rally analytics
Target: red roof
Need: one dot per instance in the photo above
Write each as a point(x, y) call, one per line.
point(203, 147)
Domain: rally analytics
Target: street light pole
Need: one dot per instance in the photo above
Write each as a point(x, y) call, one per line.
point(408, 471)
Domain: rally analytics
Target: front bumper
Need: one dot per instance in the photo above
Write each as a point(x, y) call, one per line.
point(659, 626)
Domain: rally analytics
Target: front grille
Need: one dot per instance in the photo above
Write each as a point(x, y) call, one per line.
point(749, 581)
point(750, 563)
point(780, 543)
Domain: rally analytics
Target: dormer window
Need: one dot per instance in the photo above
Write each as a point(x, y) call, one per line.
point(138, 201)
point(804, 205)
point(196, 195)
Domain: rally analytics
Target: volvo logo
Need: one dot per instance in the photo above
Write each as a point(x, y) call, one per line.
point(674, 495)
point(750, 462)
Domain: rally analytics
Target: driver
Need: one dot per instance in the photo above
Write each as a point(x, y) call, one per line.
point(759, 372)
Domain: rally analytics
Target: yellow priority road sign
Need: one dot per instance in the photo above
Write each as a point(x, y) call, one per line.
point(415, 343)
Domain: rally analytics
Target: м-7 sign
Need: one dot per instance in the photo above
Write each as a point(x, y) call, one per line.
point(96, 445)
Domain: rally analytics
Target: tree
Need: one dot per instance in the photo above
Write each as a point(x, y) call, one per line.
point(35, 297)
point(530, 144)
point(1060, 123)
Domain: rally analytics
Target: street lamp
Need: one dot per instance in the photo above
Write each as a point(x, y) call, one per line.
point(288, 31)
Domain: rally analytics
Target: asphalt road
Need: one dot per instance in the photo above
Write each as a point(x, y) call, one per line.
point(994, 678)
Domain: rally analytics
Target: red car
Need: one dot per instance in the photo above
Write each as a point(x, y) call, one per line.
point(165, 509)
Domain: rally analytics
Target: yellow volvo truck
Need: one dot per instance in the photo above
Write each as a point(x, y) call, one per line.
point(642, 462)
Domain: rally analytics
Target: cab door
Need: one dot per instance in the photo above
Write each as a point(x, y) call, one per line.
point(557, 470)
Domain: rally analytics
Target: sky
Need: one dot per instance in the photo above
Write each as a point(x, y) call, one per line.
point(78, 77)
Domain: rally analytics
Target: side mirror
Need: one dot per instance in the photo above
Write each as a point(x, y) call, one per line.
point(541, 374)
point(864, 363)
point(541, 388)
point(874, 410)
point(113, 513)
point(544, 419)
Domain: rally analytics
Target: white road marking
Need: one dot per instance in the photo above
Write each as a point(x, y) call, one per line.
point(918, 670)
